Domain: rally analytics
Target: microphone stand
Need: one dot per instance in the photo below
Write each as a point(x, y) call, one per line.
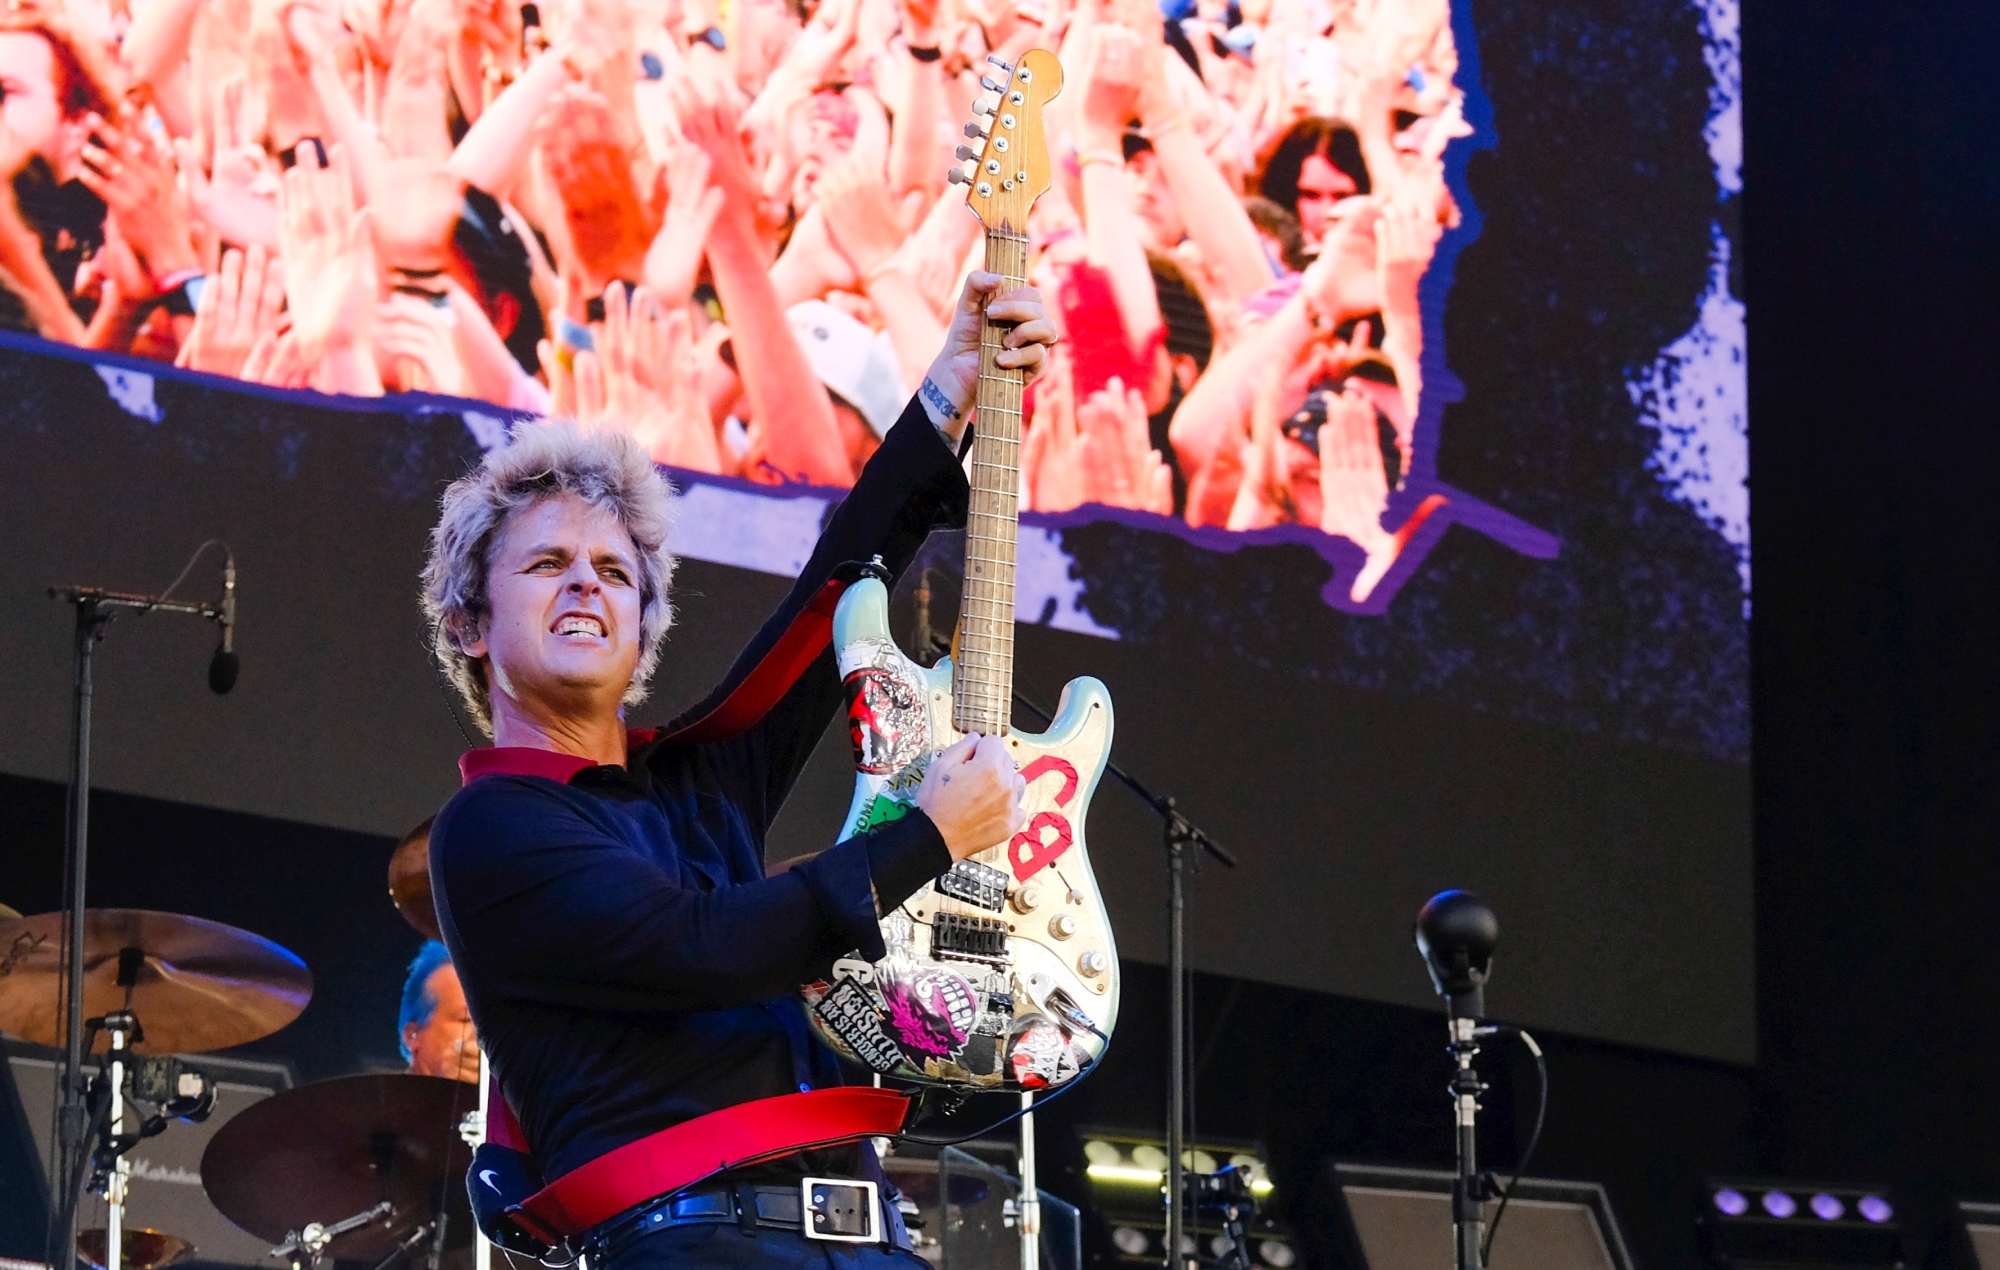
point(1182, 837)
point(95, 608)
point(1456, 935)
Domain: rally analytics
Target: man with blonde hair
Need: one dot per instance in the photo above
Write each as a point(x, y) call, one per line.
point(630, 967)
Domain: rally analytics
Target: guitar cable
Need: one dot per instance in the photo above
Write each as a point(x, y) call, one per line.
point(1004, 1121)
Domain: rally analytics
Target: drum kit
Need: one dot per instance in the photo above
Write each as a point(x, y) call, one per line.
point(356, 1168)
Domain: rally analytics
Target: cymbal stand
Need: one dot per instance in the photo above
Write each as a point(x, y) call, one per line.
point(95, 607)
point(304, 1248)
point(123, 1029)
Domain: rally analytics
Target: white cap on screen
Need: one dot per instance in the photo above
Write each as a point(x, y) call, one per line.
point(856, 364)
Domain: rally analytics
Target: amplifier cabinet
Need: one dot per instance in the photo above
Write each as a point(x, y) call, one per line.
point(165, 1192)
point(1400, 1219)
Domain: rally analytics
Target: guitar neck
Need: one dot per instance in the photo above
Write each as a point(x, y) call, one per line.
point(983, 690)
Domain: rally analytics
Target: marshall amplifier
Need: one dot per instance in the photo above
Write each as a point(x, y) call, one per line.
point(165, 1192)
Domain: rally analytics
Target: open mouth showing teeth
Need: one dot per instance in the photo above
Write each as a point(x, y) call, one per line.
point(578, 625)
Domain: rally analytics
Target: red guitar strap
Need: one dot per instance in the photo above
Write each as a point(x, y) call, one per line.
point(677, 1158)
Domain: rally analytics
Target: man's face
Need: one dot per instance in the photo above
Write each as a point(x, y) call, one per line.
point(1321, 185)
point(446, 1046)
point(30, 108)
point(1154, 202)
point(561, 635)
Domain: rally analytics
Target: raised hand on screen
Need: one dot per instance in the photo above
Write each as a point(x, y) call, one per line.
point(1121, 467)
point(331, 280)
point(651, 387)
point(1264, 495)
point(414, 347)
point(709, 120)
point(1353, 486)
point(609, 227)
point(1050, 453)
point(241, 302)
point(860, 219)
point(134, 176)
point(673, 262)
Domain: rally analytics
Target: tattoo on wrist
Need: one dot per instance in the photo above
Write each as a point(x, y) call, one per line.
point(933, 396)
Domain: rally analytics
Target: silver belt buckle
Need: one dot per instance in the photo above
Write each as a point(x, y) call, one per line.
point(840, 1210)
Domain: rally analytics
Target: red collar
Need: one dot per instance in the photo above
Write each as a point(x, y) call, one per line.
point(522, 760)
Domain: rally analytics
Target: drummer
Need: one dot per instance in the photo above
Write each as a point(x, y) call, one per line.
point(437, 1033)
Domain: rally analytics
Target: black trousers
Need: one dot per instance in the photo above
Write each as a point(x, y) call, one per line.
point(720, 1246)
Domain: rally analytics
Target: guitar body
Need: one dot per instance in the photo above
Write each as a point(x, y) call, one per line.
point(1001, 974)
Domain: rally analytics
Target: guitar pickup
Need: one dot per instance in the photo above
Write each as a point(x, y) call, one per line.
point(975, 883)
point(962, 938)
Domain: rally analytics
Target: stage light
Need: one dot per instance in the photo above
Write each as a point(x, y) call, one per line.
point(1127, 1175)
point(1124, 1173)
point(1777, 1224)
point(1130, 1241)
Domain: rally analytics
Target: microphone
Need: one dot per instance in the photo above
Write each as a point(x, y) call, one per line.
point(223, 666)
point(1457, 933)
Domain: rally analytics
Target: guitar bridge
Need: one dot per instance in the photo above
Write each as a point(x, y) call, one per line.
point(975, 883)
point(958, 937)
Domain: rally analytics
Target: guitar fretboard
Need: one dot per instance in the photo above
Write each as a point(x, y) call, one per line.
point(984, 686)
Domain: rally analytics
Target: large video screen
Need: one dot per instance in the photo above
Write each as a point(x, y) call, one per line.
point(1394, 453)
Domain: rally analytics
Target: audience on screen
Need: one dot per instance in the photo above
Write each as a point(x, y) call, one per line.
point(724, 225)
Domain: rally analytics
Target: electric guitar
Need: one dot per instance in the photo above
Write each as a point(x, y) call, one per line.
point(1001, 974)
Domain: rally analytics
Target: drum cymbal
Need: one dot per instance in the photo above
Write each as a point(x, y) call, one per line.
point(195, 985)
point(410, 880)
point(143, 1249)
point(326, 1151)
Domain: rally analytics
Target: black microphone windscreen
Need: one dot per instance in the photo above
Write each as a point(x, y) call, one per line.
point(222, 672)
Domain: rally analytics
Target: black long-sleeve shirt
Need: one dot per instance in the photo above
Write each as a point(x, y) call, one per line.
point(627, 963)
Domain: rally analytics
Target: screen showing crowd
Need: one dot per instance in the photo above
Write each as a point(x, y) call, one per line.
point(725, 225)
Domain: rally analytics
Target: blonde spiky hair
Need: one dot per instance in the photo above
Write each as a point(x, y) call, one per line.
point(607, 469)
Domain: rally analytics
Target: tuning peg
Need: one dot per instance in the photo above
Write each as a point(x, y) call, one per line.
point(967, 152)
point(991, 84)
point(976, 132)
point(996, 60)
point(957, 176)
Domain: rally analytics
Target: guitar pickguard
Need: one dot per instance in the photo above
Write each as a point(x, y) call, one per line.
point(1002, 973)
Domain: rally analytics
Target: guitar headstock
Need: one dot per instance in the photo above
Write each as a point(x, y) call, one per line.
point(1007, 173)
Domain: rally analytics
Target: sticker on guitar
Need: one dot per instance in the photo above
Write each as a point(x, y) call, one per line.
point(1029, 852)
point(885, 719)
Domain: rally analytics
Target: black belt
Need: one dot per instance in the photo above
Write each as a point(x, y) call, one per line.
point(833, 1209)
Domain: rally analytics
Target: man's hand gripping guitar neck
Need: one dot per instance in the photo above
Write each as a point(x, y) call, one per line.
point(949, 390)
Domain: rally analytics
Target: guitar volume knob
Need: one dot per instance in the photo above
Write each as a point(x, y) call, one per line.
point(1062, 926)
point(1092, 964)
point(1026, 897)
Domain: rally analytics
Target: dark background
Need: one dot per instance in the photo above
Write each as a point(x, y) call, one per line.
point(1873, 200)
